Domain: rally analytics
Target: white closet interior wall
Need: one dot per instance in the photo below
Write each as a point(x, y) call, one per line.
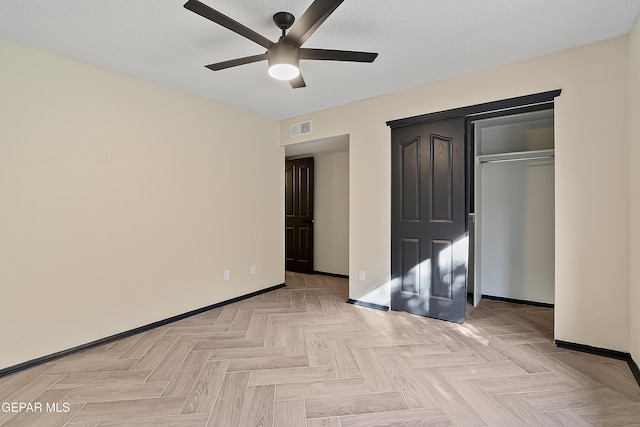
point(514, 229)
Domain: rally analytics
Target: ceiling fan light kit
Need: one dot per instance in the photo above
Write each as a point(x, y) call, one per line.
point(283, 57)
point(281, 71)
point(284, 61)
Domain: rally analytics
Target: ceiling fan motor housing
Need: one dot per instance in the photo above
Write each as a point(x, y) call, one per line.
point(285, 56)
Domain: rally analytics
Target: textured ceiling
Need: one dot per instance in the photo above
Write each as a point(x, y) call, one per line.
point(418, 41)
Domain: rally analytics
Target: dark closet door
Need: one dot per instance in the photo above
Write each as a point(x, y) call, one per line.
point(428, 220)
point(299, 215)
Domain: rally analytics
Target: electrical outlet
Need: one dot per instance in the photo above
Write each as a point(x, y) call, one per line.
point(227, 275)
point(253, 269)
point(361, 276)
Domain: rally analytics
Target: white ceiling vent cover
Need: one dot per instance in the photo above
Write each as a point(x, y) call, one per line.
point(302, 128)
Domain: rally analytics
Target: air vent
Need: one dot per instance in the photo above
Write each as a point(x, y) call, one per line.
point(301, 128)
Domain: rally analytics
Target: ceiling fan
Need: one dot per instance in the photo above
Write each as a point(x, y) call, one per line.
point(284, 55)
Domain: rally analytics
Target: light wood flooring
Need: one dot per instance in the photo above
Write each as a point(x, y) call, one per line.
point(301, 356)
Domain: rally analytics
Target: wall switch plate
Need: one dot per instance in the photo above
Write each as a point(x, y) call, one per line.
point(227, 275)
point(361, 276)
point(253, 269)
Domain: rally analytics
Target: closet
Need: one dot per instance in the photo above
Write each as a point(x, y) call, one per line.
point(512, 223)
point(472, 206)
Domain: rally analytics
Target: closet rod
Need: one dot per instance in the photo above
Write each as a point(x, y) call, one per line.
point(516, 159)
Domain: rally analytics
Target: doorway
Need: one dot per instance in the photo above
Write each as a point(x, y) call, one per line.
point(331, 202)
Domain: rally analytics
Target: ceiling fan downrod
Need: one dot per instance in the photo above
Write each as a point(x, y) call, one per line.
point(284, 21)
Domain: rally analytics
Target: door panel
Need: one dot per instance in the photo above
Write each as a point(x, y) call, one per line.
point(441, 178)
point(410, 202)
point(428, 220)
point(299, 215)
point(410, 259)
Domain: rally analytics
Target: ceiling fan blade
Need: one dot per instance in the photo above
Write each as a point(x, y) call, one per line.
point(337, 55)
point(310, 20)
point(217, 17)
point(298, 82)
point(235, 62)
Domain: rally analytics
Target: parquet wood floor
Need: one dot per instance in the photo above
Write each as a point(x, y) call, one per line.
point(301, 356)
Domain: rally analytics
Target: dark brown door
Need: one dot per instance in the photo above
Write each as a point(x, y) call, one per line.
point(428, 220)
point(299, 215)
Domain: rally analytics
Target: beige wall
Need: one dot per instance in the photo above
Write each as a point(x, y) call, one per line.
point(123, 202)
point(331, 244)
point(120, 205)
point(634, 191)
point(592, 186)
